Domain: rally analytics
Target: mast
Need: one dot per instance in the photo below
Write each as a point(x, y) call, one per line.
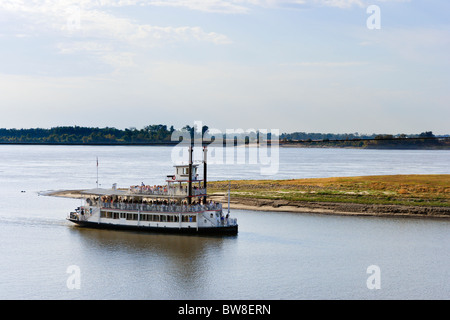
point(229, 197)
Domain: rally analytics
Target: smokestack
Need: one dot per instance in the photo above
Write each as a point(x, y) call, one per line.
point(205, 152)
point(190, 176)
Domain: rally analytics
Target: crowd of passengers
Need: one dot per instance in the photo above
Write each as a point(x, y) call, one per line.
point(158, 189)
point(152, 204)
point(149, 189)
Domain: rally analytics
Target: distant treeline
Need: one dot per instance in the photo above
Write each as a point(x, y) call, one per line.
point(87, 135)
point(424, 140)
point(303, 136)
point(162, 134)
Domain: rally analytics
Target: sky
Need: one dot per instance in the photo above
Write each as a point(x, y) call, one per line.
point(330, 66)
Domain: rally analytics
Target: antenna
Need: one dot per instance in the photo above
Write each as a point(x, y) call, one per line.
point(97, 173)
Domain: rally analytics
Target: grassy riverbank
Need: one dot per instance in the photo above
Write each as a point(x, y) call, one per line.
point(393, 195)
point(403, 194)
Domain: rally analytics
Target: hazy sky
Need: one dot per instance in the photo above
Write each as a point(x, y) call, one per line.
point(292, 65)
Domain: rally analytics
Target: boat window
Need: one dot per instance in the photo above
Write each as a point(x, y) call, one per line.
point(132, 216)
point(172, 218)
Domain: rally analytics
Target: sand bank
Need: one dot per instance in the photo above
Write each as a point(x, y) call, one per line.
point(331, 208)
point(354, 209)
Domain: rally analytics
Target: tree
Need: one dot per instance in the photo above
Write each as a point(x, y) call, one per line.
point(427, 134)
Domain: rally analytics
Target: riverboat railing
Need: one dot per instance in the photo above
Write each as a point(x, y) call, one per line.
point(161, 207)
point(83, 213)
point(164, 191)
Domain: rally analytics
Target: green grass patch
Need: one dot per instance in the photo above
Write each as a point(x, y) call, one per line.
point(412, 190)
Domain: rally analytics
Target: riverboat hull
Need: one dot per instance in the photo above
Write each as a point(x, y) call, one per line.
point(219, 230)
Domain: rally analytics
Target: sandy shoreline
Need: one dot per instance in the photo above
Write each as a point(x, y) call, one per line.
point(330, 208)
point(333, 208)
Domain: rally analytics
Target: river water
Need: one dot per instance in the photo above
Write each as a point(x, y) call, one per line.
point(274, 256)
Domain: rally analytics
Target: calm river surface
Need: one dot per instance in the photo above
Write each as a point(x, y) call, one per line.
point(274, 256)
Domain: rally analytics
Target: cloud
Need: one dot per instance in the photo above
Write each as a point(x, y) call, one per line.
point(327, 64)
point(216, 6)
point(245, 6)
point(87, 19)
point(82, 46)
point(89, 28)
point(341, 3)
point(424, 45)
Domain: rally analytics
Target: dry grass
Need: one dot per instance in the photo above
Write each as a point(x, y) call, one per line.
point(422, 190)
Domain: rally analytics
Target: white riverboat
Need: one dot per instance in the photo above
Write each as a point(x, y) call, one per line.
point(179, 206)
